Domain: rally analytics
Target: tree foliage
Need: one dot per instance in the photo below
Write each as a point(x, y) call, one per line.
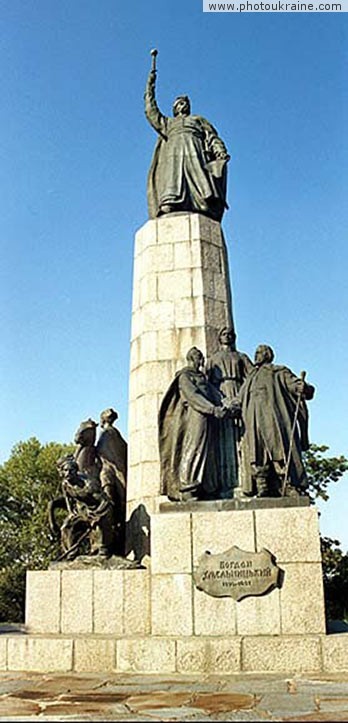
point(335, 572)
point(322, 470)
point(28, 481)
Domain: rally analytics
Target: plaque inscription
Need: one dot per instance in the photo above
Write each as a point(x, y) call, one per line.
point(236, 573)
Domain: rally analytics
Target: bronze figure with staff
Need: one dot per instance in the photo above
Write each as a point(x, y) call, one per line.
point(274, 410)
point(189, 165)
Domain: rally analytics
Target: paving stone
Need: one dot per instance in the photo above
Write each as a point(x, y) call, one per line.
point(223, 702)
point(172, 714)
point(31, 695)
point(10, 686)
point(173, 697)
point(320, 716)
point(95, 697)
point(15, 706)
point(324, 688)
point(86, 708)
point(281, 704)
point(56, 685)
point(243, 715)
point(160, 699)
point(334, 703)
point(258, 684)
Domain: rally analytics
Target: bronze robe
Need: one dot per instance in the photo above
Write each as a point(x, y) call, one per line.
point(179, 175)
point(187, 435)
point(227, 370)
point(268, 397)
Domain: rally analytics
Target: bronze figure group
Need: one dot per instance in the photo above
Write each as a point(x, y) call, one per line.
point(93, 482)
point(237, 428)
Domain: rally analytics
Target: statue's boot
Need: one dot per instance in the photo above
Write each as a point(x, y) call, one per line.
point(189, 491)
point(262, 486)
point(166, 208)
point(291, 491)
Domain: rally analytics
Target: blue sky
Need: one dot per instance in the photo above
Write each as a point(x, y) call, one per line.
point(75, 152)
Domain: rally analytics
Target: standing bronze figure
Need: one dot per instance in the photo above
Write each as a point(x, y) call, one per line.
point(227, 369)
point(188, 170)
point(188, 434)
point(276, 422)
point(112, 453)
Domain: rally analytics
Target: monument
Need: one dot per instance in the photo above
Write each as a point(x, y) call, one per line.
point(230, 578)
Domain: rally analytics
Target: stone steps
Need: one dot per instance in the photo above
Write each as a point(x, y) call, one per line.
point(207, 655)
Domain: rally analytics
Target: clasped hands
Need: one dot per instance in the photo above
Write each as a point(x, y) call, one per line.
point(230, 408)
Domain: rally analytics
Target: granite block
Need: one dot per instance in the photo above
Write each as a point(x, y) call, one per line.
point(171, 605)
point(42, 601)
point(136, 601)
point(189, 312)
point(158, 315)
point(204, 655)
point(171, 543)
point(3, 653)
point(281, 654)
point(218, 531)
point(145, 236)
point(145, 655)
point(292, 534)
point(259, 615)
point(40, 655)
point(335, 653)
point(173, 229)
point(174, 285)
point(302, 599)
point(182, 255)
point(108, 602)
point(94, 655)
point(213, 615)
point(148, 289)
point(76, 601)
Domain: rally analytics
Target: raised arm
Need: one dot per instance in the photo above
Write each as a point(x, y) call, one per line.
point(152, 111)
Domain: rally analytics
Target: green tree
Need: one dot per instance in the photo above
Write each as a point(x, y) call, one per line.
point(28, 481)
point(322, 471)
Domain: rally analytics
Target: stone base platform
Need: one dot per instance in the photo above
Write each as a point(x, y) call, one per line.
point(184, 655)
point(236, 503)
point(179, 539)
point(156, 620)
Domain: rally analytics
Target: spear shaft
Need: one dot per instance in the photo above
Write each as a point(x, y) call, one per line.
point(292, 436)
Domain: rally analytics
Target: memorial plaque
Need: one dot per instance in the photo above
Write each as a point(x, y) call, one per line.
point(236, 573)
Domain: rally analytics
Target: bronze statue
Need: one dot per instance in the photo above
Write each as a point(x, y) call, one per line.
point(86, 452)
point(112, 452)
point(227, 369)
point(188, 435)
point(94, 492)
point(276, 419)
point(89, 525)
point(188, 170)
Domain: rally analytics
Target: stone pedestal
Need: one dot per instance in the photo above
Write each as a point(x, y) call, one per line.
point(88, 602)
point(155, 620)
point(178, 539)
point(181, 298)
